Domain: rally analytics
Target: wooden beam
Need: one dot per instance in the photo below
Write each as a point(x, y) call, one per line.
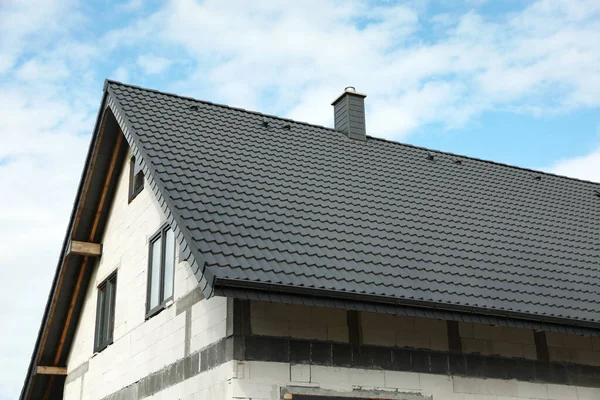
point(85, 248)
point(86, 185)
point(78, 285)
point(44, 370)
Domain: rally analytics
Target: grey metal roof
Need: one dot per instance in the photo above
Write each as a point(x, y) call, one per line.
point(296, 208)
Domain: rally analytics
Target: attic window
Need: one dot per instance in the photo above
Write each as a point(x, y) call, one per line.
point(136, 179)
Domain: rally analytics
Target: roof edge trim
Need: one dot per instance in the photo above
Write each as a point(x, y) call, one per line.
point(203, 273)
point(383, 301)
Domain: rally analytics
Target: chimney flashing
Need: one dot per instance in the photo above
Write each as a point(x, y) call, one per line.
point(346, 91)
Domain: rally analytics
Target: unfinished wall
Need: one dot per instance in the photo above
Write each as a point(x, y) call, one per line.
point(259, 380)
point(573, 349)
point(289, 320)
point(497, 341)
point(140, 346)
point(402, 331)
point(318, 323)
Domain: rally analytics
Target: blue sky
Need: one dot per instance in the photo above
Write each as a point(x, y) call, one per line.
point(514, 81)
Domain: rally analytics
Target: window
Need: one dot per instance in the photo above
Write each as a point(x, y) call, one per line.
point(136, 179)
point(161, 265)
point(105, 313)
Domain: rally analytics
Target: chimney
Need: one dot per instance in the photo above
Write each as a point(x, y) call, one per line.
point(349, 113)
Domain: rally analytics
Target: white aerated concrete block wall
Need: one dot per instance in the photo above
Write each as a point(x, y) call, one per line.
point(214, 384)
point(290, 320)
point(402, 331)
point(140, 346)
point(258, 380)
point(497, 340)
point(573, 349)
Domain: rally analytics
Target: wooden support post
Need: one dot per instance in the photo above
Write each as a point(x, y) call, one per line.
point(43, 370)
point(85, 248)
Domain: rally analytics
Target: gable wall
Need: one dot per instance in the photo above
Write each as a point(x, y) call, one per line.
point(140, 347)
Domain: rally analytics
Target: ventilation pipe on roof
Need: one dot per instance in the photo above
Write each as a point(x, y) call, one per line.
point(349, 114)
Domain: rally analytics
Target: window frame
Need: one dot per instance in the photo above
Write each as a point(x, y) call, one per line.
point(162, 301)
point(134, 172)
point(107, 311)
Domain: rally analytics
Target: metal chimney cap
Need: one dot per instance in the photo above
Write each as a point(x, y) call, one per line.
point(348, 90)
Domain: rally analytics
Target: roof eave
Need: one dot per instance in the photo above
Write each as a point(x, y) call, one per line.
point(363, 302)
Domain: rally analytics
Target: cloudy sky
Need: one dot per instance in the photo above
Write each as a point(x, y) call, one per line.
point(513, 81)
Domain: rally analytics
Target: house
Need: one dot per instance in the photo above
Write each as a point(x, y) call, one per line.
point(218, 253)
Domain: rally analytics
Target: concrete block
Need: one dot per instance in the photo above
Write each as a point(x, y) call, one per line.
point(308, 330)
point(376, 320)
point(490, 387)
point(436, 384)
point(529, 352)
point(272, 372)
point(475, 346)
point(330, 377)
point(270, 327)
point(588, 357)
point(259, 309)
point(532, 390)
point(337, 333)
point(286, 311)
point(561, 392)
point(503, 334)
point(243, 389)
point(379, 337)
point(506, 349)
point(465, 330)
point(554, 339)
point(578, 342)
point(401, 380)
point(429, 326)
point(562, 354)
point(300, 373)
point(586, 393)
point(404, 323)
point(439, 343)
point(413, 340)
point(367, 378)
point(330, 316)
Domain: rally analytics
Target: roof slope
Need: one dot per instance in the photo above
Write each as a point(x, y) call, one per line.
point(292, 206)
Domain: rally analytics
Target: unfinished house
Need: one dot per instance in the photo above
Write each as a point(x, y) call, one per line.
point(216, 253)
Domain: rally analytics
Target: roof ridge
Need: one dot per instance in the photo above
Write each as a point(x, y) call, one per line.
point(258, 113)
point(395, 142)
point(448, 153)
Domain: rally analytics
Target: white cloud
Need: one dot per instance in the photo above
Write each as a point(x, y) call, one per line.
point(585, 167)
point(298, 49)
point(35, 70)
point(152, 64)
point(120, 74)
point(44, 151)
point(131, 5)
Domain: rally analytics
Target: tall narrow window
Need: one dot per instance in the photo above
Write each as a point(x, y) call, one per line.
point(105, 313)
point(136, 179)
point(161, 267)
